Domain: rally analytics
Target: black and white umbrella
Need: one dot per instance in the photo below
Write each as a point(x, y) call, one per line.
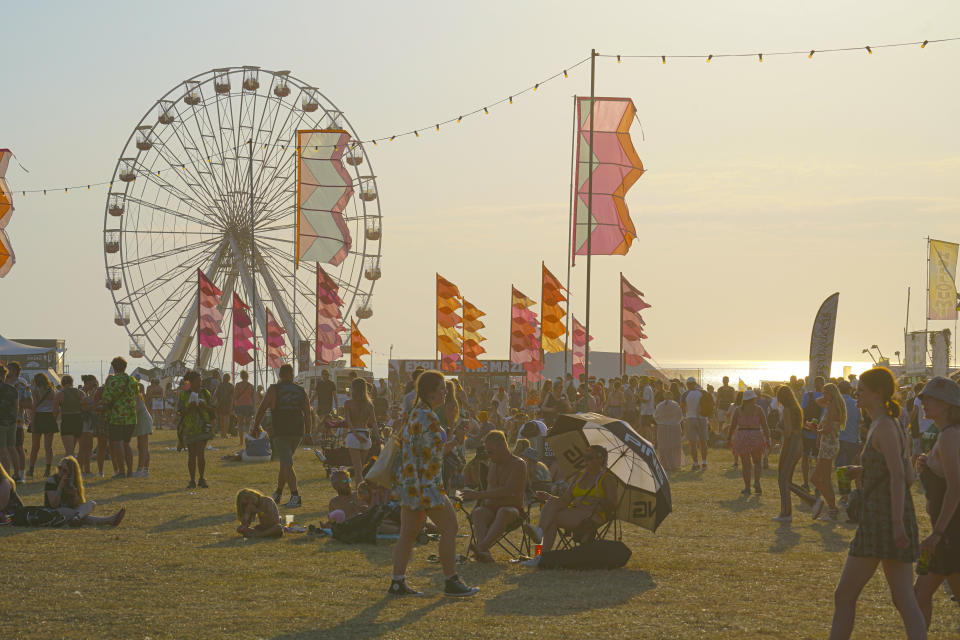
point(643, 491)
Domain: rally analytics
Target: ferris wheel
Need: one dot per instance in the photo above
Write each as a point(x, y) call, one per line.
point(207, 180)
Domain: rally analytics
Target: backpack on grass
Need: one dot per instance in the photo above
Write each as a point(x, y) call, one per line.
point(600, 554)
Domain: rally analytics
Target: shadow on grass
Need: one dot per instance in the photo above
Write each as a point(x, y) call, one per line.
point(687, 476)
point(787, 538)
point(833, 540)
point(366, 624)
point(741, 503)
point(558, 593)
point(130, 497)
point(186, 522)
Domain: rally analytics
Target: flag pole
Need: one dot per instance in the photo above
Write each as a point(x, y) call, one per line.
point(570, 233)
point(593, 69)
point(543, 268)
point(926, 312)
point(253, 272)
point(620, 348)
point(436, 353)
point(198, 321)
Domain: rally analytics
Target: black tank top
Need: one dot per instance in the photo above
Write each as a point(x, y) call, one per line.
point(936, 488)
point(288, 411)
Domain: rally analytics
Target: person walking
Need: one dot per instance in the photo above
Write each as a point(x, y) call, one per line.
point(648, 407)
point(834, 419)
point(195, 427)
point(44, 422)
point(418, 481)
point(120, 413)
point(695, 425)
point(360, 421)
point(224, 402)
point(812, 411)
point(291, 417)
point(940, 475)
point(9, 406)
point(66, 405)
point(243, 404)
point(142, 433)
point(791, 424)
point(850, 436)
point(24, 404)
point(668, 416)
point(887, 533)
point(750, 437)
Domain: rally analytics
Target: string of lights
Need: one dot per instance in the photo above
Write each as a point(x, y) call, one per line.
point(533, 88)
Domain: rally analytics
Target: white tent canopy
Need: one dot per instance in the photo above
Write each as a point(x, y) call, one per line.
point(10, 348)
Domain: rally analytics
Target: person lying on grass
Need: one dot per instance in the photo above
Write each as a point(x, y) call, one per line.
point(253, 504)
point(63, 491)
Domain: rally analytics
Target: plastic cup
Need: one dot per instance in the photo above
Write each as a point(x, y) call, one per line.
point(843, 481)
point(538, 548)
point(288, 519)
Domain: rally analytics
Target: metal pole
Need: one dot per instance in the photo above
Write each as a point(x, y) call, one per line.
point(436, 352)
point(593, 68)
point(926, 313)
point(620, 319)
point(906, 326)
point(253, 274)
point(570, 234)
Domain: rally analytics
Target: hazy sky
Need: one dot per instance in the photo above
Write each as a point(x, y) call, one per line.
point(769, 186)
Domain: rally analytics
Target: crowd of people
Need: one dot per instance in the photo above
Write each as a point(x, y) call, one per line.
point(865, 431)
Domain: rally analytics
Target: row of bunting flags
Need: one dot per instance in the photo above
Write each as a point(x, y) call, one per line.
point(563, 73)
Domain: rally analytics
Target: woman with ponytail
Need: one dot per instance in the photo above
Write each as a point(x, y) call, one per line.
point(887, 533)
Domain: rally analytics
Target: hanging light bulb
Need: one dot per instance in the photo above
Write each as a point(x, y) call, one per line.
point(438, 126)
point(511, 99)
point(618, 59)
point(486, 111)
point(761, 56)
point(709, 57)
point(869, 50)
point(416, 133)
point(564, 73)
point(812, 51)
point(924, 45)
point(459, 118)
point(392, 137)
point(536, 86)
point(663, 59)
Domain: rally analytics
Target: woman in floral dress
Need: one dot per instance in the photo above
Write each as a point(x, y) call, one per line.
point(420, 487)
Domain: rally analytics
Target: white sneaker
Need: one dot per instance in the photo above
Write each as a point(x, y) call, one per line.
point(817, 508)
point(784, 519)
point(532, 562)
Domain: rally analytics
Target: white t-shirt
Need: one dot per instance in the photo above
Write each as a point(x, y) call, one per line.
point(647, 405)
point(691, 403)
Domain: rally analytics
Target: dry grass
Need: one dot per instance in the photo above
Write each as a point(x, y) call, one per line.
point(717, 568)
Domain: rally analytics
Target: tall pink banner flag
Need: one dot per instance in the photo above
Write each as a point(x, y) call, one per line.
point(579, 349)
point(209, 316)
point(242, 332)
point(329, 319)
point(616, 166)
point(631, 323)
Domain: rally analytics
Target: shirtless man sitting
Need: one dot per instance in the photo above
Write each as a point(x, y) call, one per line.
point(501, 503)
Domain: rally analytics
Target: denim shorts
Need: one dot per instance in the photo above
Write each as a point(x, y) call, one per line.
point(284, 448)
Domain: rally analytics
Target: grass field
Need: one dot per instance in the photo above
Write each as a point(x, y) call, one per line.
point(717, 568)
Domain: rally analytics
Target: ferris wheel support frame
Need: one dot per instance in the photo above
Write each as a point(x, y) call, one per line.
point(184, 335)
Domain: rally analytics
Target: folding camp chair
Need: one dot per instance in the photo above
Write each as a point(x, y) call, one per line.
point(607, 530)
point(516, 548)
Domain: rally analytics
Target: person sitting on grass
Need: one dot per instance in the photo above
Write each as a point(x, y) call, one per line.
point(253, 504)
point(501, 503)
point(345, 502)
point(63, 491)
point(256, 447)
point(370, 496)
point(590, 500)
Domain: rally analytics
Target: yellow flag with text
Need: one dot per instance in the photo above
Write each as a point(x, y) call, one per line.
point(942, 292)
